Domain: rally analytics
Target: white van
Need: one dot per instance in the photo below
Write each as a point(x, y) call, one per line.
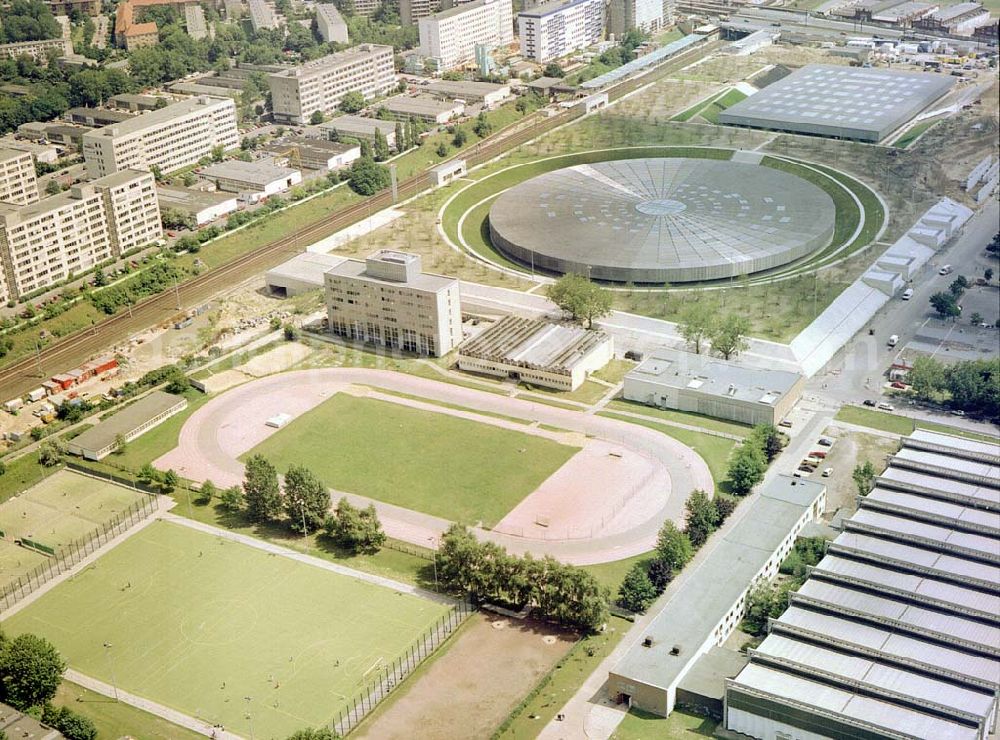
point(907, 294)
point(946, 270)
point(893, 340)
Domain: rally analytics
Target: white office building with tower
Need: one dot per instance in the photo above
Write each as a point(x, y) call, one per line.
point(449, 38)
point(554, 29)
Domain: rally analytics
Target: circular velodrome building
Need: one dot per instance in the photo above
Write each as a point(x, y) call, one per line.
point(661, 220)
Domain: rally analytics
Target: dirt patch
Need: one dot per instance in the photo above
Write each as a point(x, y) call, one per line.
point(281, 358)
point(850, 449)
point(460, 695)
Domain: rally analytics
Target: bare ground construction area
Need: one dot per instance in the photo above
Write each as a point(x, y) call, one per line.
point(456, 697)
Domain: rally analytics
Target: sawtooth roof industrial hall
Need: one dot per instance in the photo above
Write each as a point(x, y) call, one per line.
point(662, 220)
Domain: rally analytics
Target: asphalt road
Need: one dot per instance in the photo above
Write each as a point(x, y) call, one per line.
point(855, 373)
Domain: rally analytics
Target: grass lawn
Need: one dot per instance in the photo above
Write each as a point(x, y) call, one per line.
point(612, 574)
point(557, 688)
point(714, 450)
point(914, 133)
point(711, 112)
point(589, 392)
point(615, 371)
point(443, 465)
point(639, 725)
point(875, 419)
point(681, 417)
point(206, 623)
point(694, 110)
point(117, 719)
point(21, 474)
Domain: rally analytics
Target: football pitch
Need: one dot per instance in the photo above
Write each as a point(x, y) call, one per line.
point(199, 624)
point(62, 508)
point(455, 468)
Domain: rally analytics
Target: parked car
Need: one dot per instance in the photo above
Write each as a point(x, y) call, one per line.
point(868, 402)
point(818, 453)
point(785, 423)
point(827, 472)
point(633, 354)
point(825, 442)
point(883, 406)
point(946, 270)
point(898, 386)
point(958, 412)
point(907, 294)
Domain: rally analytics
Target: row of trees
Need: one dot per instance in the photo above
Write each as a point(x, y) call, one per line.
point(749, 461)
point(303, 505)
point(28, 20)
point(562, 593)
point(675, 547)
point(972, 386)
point(768, 600)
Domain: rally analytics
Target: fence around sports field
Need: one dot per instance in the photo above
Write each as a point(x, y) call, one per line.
point(63, 558)
point(362, 704)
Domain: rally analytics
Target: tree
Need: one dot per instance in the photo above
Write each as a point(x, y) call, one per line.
point(673, 548)
point(482, 128)
point(729, 337)
point(660, 574)
point(290, 332)
point(53, 187)
point(233, 500)
point(73, 726)
point(320, 733)
point(762, 602)
point(988, 274)
point(746, 468)
point(958, 286)
point(864, 477)
point(442, 150)
point(207, 492)
point(552, 69)
point(354, 529)
point(637, 591)
point(400, 138)
point(380, 147)
point(367, 177)
point(147, 473)
point(974, 386)
point(926, 378)
point(260, 490)
point(306, 500)
point(701, 518)
point(768, 439)
point(121, 445)
point(352, 102)
point(30, 671)
point(100, 279)
point(945, 304)
point(459, 139)
point(317, 117)
point(171, 479)
point(51, 453)
point(695, 325)
point(976, 319)
point(724, 506)
point(579, 297)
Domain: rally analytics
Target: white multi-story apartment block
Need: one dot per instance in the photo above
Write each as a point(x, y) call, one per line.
point(18, 183)
point(320, 84)
point(330, 23)
point(411, 11)
point(644, 15)
point(263, 15)
point(555, 29)
point(40, 50)
point(366, 7)
point(449, 38)
point(388, 301)
point(45, 242)
point(170, 138)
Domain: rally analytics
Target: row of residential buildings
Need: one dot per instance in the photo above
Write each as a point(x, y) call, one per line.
point(45, 241)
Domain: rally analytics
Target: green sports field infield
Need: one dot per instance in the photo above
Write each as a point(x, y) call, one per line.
point(206, 623)
point(62, 508)
point(455, 468)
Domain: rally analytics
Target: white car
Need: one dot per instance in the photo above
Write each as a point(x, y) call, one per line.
point(907, 294)
point(883, 406)
point(827, 472)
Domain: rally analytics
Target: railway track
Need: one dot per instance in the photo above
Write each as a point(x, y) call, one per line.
point(26, 373)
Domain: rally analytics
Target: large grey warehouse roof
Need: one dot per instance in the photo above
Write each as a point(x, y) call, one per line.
point(845, 102)
point(533, 343)
point(901, 612)
point(662, 220)
point(713, 376)
point(693, 612)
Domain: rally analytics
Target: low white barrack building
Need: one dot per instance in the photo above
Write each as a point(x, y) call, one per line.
point(262, 177)
point(537, 352)
point(131, 422)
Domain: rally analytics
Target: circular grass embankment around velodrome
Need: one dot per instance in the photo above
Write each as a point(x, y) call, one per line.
point(860, 215)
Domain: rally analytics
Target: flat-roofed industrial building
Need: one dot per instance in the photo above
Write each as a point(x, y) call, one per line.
point(703, 613)
point(360, 128)
point(711, 386)
point(863, 104)
point(262, 177)
point(423, 108)
point(537, 352)
point(895, 634)
point(204, 206)
point(314, 154)
point(149, 411)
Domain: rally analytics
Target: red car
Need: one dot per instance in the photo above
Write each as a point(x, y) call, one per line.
point(900, 386)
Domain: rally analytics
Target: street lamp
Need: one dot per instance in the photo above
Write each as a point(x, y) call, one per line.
point(111, 663)
point(249, 715)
